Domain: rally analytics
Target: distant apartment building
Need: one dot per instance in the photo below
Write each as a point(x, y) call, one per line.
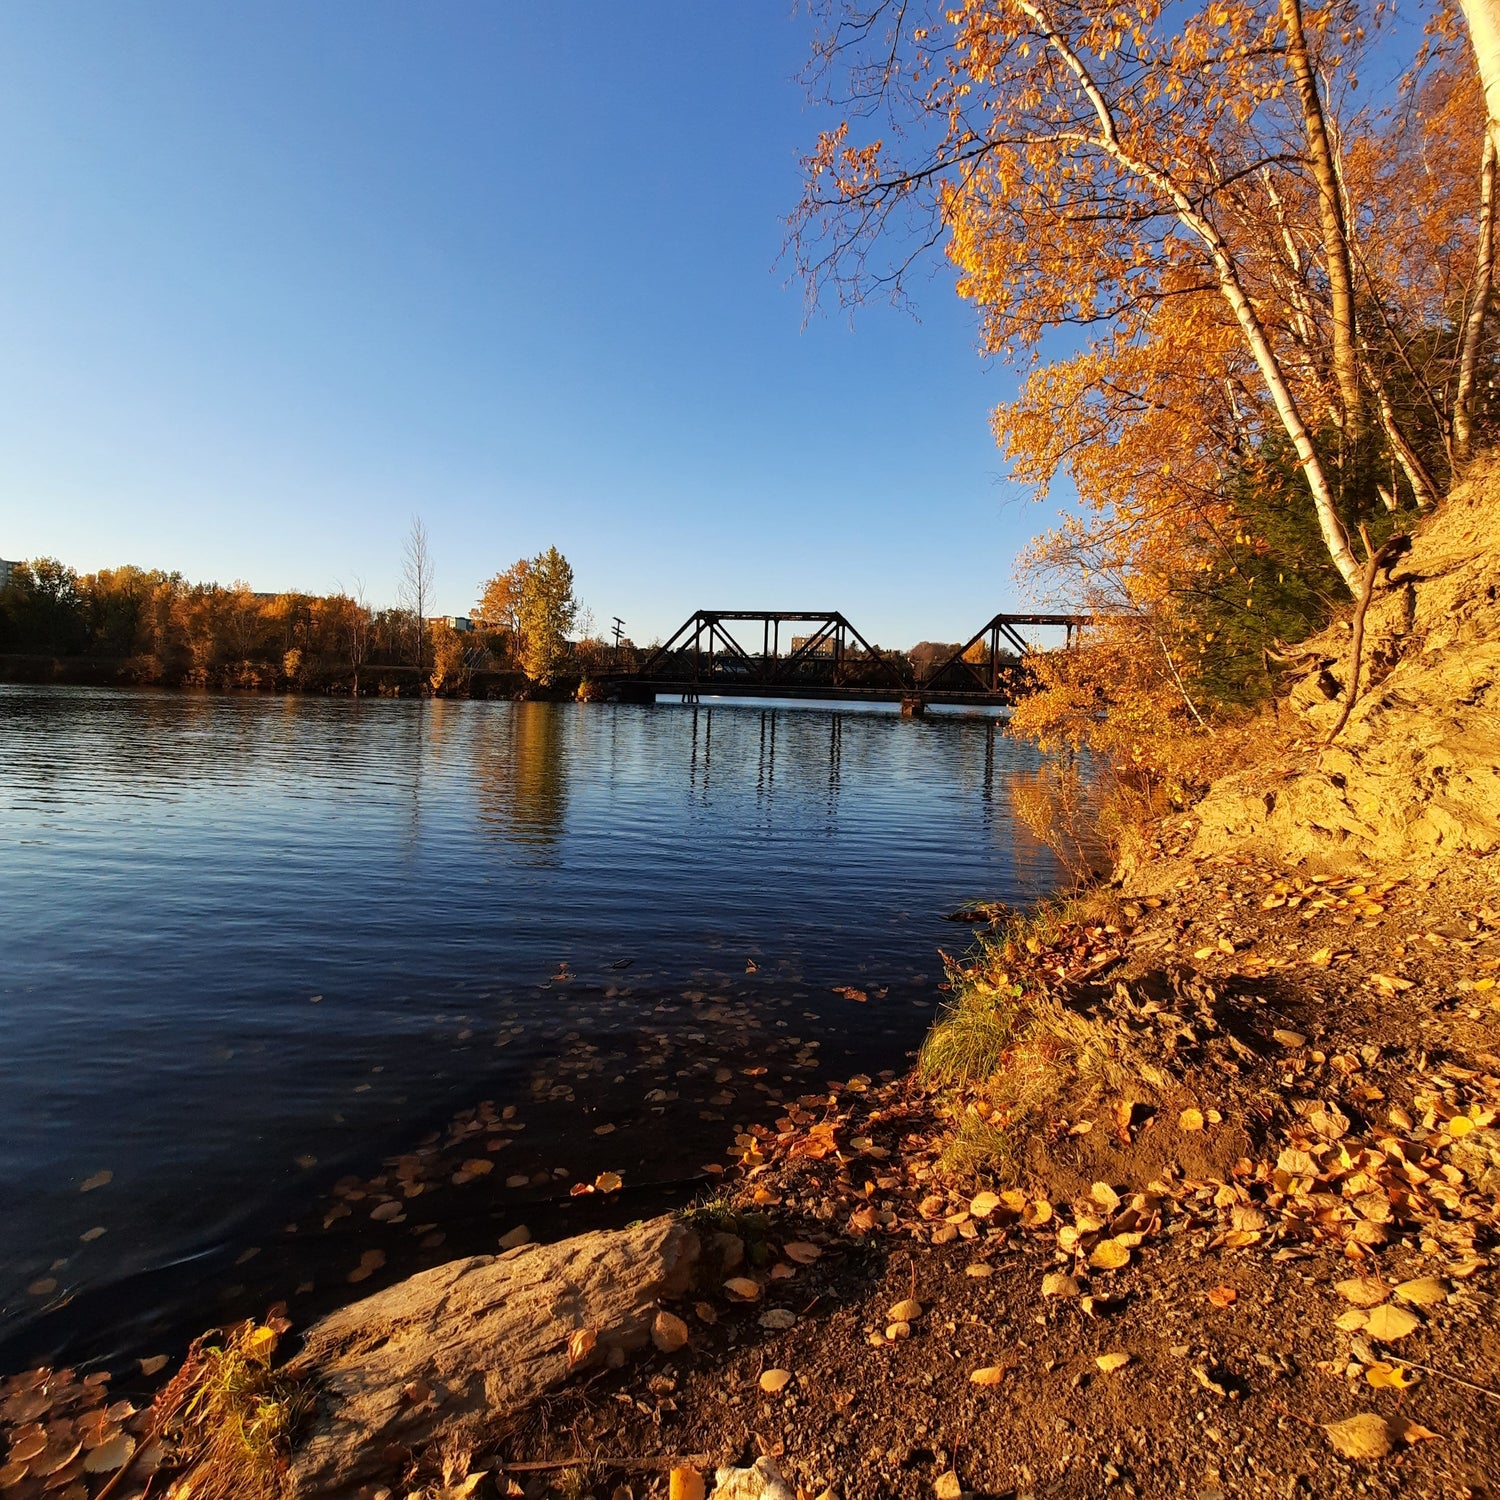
point(458, 622)
point(823, 647)
point(6, 570)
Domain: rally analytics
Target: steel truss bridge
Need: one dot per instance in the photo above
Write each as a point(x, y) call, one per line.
point(715, 653)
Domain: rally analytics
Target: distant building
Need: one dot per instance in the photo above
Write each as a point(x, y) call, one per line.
point(6, 570)
point(458, 622)
point(823, 648)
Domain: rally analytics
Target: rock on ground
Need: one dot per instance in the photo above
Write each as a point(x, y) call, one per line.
point(468, 1343)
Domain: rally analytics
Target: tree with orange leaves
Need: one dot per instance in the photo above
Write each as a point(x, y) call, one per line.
point(1170, 180)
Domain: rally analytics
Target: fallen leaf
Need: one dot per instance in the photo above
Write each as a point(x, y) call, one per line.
point(801, 1252)
point(1361, 1437)
point(1383, 1375)
point(520, 1235)
point(1389, 984)
point(905, 1312)
point(28, 1441)
point(1109, 1255)
point(98, 1180)
point(685, 1484)
point(1410, 1432)
point(609, 1182)
point(778, 1319)
point(1222, 1296)
point(982, 1205)
point(1363, 1291)
point(775, 1380)
point(988, 1375)
point(153, 1363)
point(1190, 1119)
point(1109, 1363)
point(1351, 1320)
point(581, 1345)
point(742, 1289)
point(1388, 1323)
point(668, 1332)
point(1059, 1284)
point(1105, 1196)
point(1424, 1291)
point(110, 1455)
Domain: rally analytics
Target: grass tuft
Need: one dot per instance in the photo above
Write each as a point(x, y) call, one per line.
point(227, 1419)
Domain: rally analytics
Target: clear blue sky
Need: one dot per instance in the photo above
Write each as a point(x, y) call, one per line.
point(276, 276)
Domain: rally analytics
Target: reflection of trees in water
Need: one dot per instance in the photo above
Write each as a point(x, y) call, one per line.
point(520, 774)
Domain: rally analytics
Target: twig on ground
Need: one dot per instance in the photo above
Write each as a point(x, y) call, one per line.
point(594, 1461)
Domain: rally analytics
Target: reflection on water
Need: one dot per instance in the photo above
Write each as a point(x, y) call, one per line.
point(243, 934)
point(521, 775)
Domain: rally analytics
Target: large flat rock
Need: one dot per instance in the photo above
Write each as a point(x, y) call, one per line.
point(464, 1345)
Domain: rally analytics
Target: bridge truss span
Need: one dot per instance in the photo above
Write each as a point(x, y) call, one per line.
point(714, 652)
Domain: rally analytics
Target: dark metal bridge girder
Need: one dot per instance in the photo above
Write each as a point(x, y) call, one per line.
point(834, 660)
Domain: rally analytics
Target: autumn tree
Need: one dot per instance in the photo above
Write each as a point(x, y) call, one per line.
point(1170, 184)
point(545, 613)
point(499, 606)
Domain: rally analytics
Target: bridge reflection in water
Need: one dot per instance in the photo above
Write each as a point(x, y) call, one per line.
point(830, 659)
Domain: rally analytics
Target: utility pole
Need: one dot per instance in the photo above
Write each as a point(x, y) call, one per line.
point(619, 631)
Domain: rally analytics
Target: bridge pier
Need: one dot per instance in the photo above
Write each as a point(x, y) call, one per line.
point(913, 706)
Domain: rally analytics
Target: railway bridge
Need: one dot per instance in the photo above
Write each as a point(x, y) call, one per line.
point(715, 653)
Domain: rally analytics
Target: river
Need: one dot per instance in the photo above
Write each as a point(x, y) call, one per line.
point(253, 945)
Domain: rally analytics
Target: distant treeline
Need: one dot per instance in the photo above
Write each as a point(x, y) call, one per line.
point(139, 625)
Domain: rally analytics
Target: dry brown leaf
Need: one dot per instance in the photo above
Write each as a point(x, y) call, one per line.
point(778, 1319)
point(801, 1252)
point(1059, 1284)
point(153, 1363)
point(110, 1455)
point(1411, 1432)
point(982, 1205)
point(1351, 1320)
point(581, 1345)
point(1222, 1296)
point(1109, 1363)
point(26, 1442)
point(609, 1182)
point(989, 1375)
point(1361, 1437)
point(1388, 1323)
point(775, 1380)
point(1423, 1291)
point(907, 1311)
point(1363, 1291)
point(1190, 1119)
point(98, 1180)
point(1110, 1255)
point(1105, 1196)
point(742, 1289)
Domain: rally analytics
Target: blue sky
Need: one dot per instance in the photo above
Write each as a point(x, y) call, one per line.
point(277, 276)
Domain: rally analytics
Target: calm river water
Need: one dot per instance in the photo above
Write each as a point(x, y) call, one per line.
point(253, 943)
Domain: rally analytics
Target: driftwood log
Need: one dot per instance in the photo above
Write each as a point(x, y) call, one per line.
point(468, 1343)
